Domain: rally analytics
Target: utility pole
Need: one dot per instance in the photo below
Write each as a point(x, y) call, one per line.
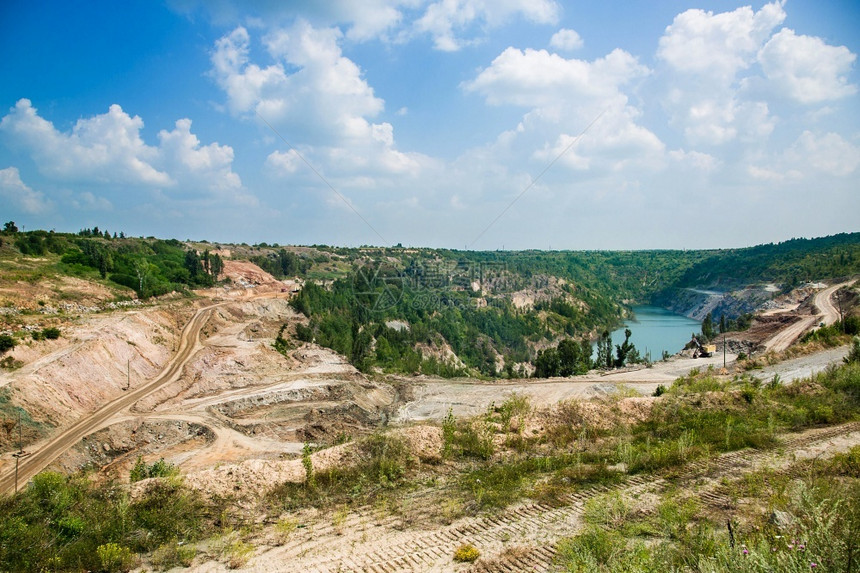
point(724, 350)
point(841, 316)
point(20, 453)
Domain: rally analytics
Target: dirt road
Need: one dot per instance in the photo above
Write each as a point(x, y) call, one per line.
point(433, 397)
point(828, 314)
point(43, 454)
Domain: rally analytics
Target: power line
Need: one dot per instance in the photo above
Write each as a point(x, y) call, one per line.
point(536, 179)
point(323, 179)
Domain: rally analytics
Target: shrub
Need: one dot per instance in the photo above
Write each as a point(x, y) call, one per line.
point(308, 464)
point(161, 468)
point(854, 354)
point(51, 333)
point(6, 342)
point(172, 555)
point(466, 553)
point(166, 511)
point(387, 458)
point(114, 557)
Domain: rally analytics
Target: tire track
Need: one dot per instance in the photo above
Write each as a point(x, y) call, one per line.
point(537, 525)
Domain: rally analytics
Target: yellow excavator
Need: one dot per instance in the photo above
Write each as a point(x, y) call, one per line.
point(702, 350)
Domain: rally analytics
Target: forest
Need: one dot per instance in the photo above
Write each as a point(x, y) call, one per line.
point(452, 313)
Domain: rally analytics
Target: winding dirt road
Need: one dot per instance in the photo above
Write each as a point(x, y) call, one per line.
point(47, 452)
point(828, 314)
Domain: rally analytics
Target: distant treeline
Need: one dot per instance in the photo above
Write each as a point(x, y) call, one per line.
point(788, 263)
point(450, 312)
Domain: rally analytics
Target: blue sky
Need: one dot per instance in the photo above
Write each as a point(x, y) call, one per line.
point(626, 125)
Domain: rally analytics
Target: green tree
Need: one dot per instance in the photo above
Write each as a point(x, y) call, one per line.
point(10, 227)
point(192, 263)
point(708, 327)
point(624, 350)
point(604, 351)
point(547, 363)
point(216, 265)
point(574, 357)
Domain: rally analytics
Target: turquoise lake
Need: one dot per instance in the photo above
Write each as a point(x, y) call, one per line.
point(657, 329)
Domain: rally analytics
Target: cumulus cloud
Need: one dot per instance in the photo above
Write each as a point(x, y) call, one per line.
point(451, 24)
point(566, 95)
point(311, 88)
point(705, 56)
point(695, 159)
point(827, 154)
point(810, 156)
point(14, 190)
point(806, 68)
point(447, 20)
point(107, 149)
point(538, 78)
point(566, 40)
point(324, 90)
point(206, 167)
point(718, 45)
point(366, 20)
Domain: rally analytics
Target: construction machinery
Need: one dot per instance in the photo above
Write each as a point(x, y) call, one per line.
point(702, 350)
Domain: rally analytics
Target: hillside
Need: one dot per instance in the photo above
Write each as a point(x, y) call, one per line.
point(431, 311)
point(338, 409)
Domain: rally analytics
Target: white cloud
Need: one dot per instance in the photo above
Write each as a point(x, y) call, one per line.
point(13, 189)
point(705, 55)
point(826, 154)
point(325, 92)
point(201, 167)
point(566, 40)
point(716, 121)
point(447, 20)
point(718, 45)
point(806, 68)
point(808, 158)
point(565, 96)
point(539, 78)
point(87, 201)
point(284, 162)
point(323, 98)
point(695, 159)
point(105, 148)
point(365, 20)
point(108, 150)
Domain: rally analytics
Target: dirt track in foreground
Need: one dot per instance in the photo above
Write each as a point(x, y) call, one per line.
point(367, 541)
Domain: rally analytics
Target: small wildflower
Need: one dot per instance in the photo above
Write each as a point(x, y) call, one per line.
point(813, 565)
point(746, 552)
point(801, 547)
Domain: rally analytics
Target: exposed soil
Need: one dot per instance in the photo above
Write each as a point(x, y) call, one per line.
point(198, 383)
point(230, 386)
point(521, 538)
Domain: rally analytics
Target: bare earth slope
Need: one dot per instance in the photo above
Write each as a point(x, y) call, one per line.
point(827, 313)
